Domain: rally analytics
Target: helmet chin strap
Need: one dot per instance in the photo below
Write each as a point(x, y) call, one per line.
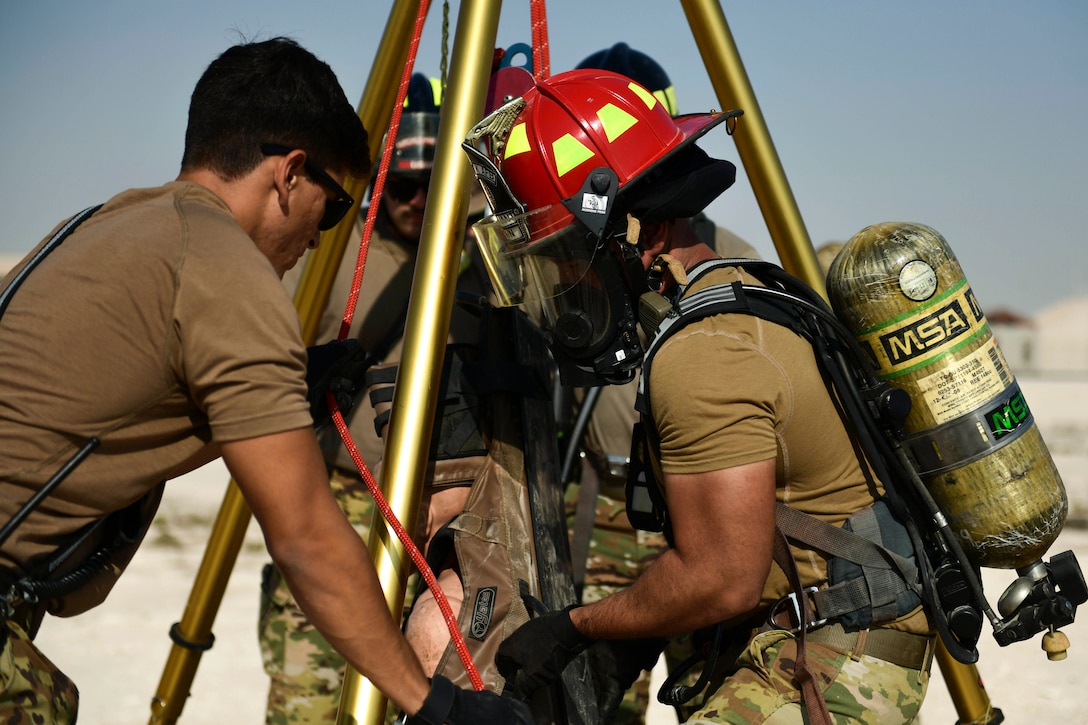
point(670, 263)
point(634, 230)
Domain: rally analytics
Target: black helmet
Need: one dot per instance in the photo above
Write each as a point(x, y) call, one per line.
point(625, 60)
point(413, 151)
point(424, 94)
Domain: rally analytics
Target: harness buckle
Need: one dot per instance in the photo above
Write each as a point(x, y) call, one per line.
point(791, 605)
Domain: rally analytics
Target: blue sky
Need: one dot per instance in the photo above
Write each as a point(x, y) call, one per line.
point(968, 116)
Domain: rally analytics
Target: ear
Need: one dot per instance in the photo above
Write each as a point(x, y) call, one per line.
point(285, 174)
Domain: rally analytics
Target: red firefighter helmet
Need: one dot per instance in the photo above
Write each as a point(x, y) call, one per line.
point(574, 147)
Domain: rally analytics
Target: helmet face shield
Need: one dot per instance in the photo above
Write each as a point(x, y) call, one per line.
point(582, 312)
point(525, 269)
point(580, 286)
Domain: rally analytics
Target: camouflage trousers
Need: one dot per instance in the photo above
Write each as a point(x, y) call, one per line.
point(305, 672)
point(858, 690)
point(32, 689)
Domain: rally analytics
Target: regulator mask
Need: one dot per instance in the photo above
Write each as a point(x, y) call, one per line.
point(593, 325)
point(581, 283)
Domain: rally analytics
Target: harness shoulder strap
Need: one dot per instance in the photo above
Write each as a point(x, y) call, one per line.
point(775, 303)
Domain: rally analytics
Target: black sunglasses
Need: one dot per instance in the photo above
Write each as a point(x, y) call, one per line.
point(336, 208)
point(405, 188)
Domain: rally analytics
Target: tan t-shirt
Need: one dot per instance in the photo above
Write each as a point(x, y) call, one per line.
point(735, 389)
point(157, 326)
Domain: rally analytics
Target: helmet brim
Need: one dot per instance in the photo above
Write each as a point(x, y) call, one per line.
point(684, 181)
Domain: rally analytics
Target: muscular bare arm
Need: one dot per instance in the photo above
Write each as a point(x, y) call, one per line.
point(724, 526)
point(325, 563)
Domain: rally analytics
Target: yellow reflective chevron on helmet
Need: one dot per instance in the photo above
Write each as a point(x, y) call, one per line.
point(614, 120)
point(648, 98)
point(436, 92)
point(569, 152)
point(668, 99)
point(517, 142)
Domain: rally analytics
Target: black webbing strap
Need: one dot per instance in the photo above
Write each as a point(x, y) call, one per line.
point(811, 696)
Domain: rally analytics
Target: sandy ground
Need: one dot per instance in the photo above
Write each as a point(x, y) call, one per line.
point(116, 653)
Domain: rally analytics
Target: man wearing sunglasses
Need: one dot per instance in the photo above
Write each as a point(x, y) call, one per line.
point(177, 344)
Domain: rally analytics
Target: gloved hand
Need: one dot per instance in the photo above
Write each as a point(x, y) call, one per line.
point(616, 664)
point(447, 704)
point(536, 653)
point(336, 367)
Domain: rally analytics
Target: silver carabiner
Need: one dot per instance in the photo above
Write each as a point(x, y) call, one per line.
point(795, 611)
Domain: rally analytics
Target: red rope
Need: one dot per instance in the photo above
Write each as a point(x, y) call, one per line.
point(413, 551)
point(542, 64)
point(349, 312)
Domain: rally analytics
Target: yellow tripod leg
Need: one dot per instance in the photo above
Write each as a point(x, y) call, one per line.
point(193, 635)
point(415, 398)
point(967, 691)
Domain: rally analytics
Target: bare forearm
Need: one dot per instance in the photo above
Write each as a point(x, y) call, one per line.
point(343, 598)
point(723, 523)
point(325, 563)
point(668, 598)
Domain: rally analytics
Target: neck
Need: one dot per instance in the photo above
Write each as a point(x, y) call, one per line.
point(685, 247)
point(233, 193)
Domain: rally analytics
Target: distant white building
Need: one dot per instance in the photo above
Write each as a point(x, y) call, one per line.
point(1061, 340)
point(1016, 338)
point(1055, 342)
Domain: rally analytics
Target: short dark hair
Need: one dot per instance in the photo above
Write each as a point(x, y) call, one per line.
point(272, 91)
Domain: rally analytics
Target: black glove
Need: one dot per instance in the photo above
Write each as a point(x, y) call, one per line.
point(616, 664)
point(336, 367)
point(536, 653)
point(447, 704)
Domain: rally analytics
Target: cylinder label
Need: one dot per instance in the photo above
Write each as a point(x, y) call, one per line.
point(918, 280)
point(972, 436)
point(966, 383)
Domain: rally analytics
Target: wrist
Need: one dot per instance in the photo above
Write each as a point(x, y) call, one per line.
point(572, 636)
point(436, 705)
point(578, 618)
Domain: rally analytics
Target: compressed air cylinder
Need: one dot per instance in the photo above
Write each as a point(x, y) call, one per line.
point(970, 433)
